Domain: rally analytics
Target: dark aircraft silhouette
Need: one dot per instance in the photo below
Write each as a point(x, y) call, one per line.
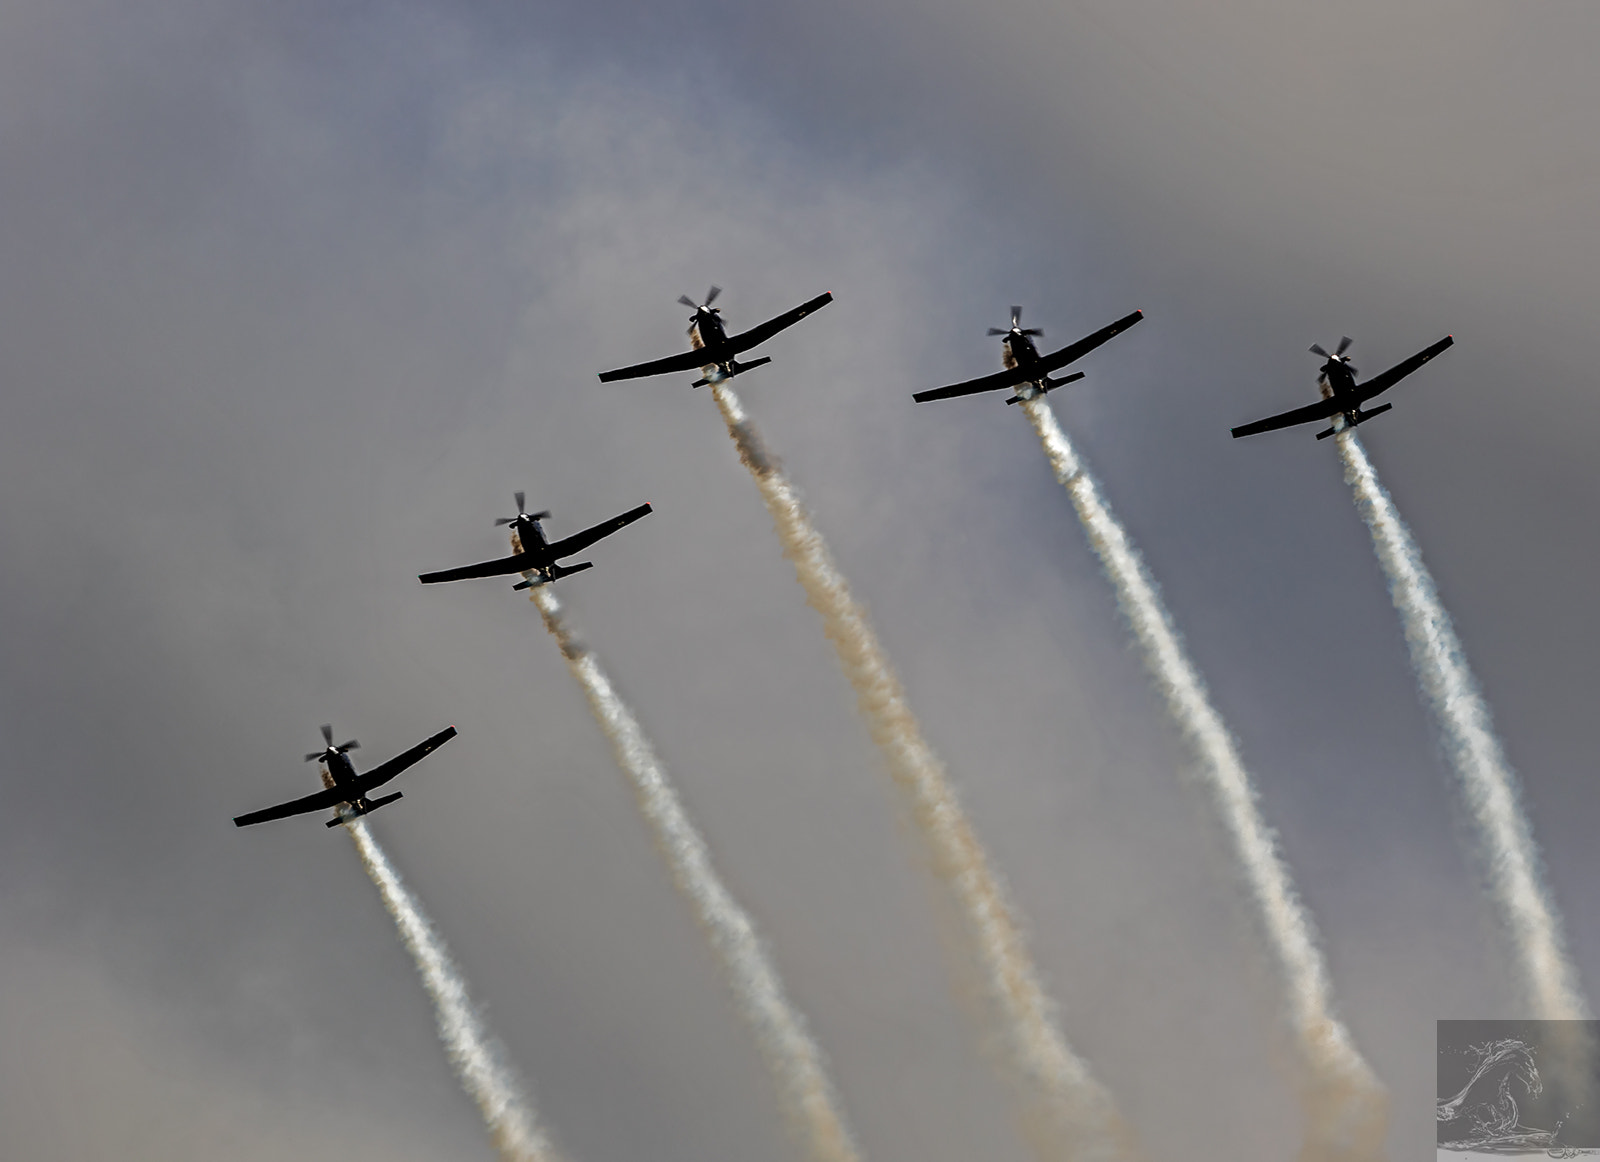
point(1027, 370)
point(538, 557)
point(1341, 394)
point(713, 351)
point(344, 789)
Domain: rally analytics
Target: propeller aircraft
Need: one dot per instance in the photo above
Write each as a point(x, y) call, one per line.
point(712, 349)
point(1341, 394)
point(344, 789)
point(537, 559)
point(1026, 370)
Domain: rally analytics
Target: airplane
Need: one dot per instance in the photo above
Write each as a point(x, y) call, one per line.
point(713, 350)
point(1026, 370)
point(344, 789)
point(537, 560)
point(1341, 394)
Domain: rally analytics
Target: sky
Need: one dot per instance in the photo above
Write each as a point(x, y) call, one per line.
point(294, 296)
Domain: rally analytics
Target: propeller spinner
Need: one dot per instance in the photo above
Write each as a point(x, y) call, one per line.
point(1016, 326)
point(711, 297)
point(1338, 355)
point(522, 503)
point(331, 750)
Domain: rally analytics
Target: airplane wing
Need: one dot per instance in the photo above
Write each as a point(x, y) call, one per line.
point(382, 773)
point(1320, 410)
point(318, 802)
point(764, 331)
point(1382, 383)
point(1010, 377)
point(1027, 373)
point(691, 360)
point(1075, 351)
point(580, 541)
point(503, 567)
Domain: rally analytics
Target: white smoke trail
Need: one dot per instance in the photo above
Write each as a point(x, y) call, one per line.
point(477, 1057)
point(1346, 1107)
point(794, 1059)
point(1072, 1115)
point(1488, 784)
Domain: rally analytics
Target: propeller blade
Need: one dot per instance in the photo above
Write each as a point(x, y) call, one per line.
point(1316, 349)
point(711, 295)
point(504, 520)
point(1354, 370)
point(314, 755)
point(545, 515)
point(1033, 331)
point(688, 302)
point(327, 732)
point(998, 331)
point(1344, 345)
point(522, 500)
point(1016, 317)
point(351, 745)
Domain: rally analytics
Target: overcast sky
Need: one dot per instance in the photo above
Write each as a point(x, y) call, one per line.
point(293, 296)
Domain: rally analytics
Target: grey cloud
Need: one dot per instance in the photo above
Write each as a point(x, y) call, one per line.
point(290, 302)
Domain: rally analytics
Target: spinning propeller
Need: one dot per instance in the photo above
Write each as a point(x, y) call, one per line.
point(1338, 355)
point(1016, 326)
point(711, 297)
point(522, 503)
point(327, 735)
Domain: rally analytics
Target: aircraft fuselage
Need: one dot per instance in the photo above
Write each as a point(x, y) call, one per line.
point(529, 533)
point(528, 536)
point(1018, 350)
point(339, 771)
point(707, 333)
point(1339, 383)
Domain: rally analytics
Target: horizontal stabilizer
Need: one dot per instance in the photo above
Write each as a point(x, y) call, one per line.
point(1048, 385)
point(354, 812)
point(735, 368)
point(555, 573)
point(1356, 417)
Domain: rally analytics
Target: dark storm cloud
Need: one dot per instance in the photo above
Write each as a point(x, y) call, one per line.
point(290, 302)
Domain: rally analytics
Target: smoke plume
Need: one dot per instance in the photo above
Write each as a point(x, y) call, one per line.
point(1345, 1104)
point(1072, 1115)
point(794, 1059)
point(1488, 784)
point(477, 1057)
